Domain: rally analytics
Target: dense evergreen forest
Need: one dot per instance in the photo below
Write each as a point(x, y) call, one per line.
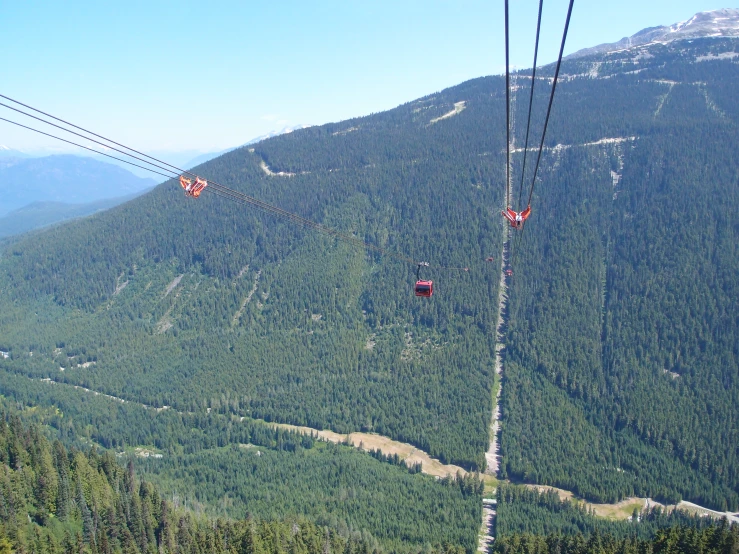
point(59, 501)
point(675, 540)
point(622, 344)
point(225, 467)
point(331, 337)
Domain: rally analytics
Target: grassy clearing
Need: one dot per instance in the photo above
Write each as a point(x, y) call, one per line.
point(620, 511)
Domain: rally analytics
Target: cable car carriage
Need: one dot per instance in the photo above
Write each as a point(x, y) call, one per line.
point(423, 288)
point(516, 219)
point(193, 189)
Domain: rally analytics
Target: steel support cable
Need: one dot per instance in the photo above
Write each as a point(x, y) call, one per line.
point(551, 97)
point(531, 102)
point(88, 138)
point(86, 148)
point(507, 115)
point(219, 189)
point(93, 134)
point(546, 121)
point(245, 199)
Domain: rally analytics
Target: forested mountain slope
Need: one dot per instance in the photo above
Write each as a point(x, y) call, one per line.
point(207, 304)
point(622, 363)
point(227, 466)
point(621, 360)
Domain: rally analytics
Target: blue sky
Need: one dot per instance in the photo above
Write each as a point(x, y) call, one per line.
point(209, 75)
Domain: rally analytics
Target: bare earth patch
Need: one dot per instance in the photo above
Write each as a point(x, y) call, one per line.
point(271, 173)
point(369, 441)
point(173, 284)
point(370, 344)
point(119, 286)
point(346, 131)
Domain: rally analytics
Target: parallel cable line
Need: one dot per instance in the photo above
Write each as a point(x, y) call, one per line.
point(507, 114)
point(88, 138)
point(551, 98)
point(86, 148)
point(546, 123)
point(531, 102)
point(91, 133)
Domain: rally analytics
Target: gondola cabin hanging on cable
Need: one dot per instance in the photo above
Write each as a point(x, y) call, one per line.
point(516, 219)
point(193, 189)
point(423, 288)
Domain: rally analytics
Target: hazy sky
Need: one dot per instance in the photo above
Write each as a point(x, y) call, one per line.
point(209, 75)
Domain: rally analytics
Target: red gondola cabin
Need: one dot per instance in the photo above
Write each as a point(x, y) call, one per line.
point(424, 288)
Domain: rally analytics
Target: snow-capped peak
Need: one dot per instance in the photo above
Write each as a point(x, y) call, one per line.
point(723, 22)
point(716, 23)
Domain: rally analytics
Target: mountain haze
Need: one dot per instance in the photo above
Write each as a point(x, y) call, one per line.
point(65, 178)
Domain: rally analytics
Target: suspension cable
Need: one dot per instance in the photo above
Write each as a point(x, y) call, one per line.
point(546, 123)
point(86, 138)
point(531, 102)
point(216, 188)
point(90, 133)
point(86, 148)
point(507, 114)
point(551, 98)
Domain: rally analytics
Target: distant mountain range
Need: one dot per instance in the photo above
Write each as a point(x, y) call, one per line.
point(68, 179)
point(42, 214)
point(51, 189)
point(716, 23)
point(7, 152)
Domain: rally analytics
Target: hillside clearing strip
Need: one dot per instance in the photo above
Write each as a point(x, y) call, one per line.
point(271, 173)
point(458, 108)
point(431, 466)
point(173, 284)
point(624, 509)
point(366, 441)
point(240, 311)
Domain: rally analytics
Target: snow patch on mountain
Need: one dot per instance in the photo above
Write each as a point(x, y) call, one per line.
point(722, 56)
